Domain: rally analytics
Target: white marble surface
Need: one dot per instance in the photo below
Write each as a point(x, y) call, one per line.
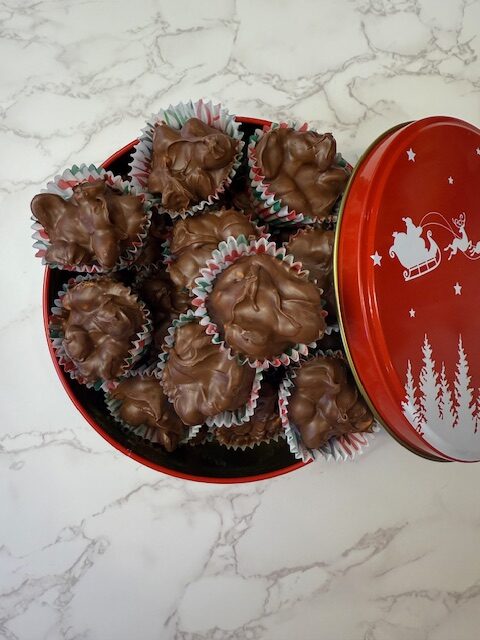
point(96, 547)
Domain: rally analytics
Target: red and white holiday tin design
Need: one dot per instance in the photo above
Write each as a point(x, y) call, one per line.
point(407, 261)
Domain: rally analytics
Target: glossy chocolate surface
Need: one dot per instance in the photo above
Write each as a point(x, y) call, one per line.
point(189, 164)
point(262, 307)
point(101, 318)
point(301, 169)
point(94, 227)
point(200, 379)
point(143, 402)
point(195, 238)
point(325, 402)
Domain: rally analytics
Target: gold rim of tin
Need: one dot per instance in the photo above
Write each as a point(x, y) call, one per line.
point(348, 355)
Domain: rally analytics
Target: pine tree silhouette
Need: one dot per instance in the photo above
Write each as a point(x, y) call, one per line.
point(429, 387)
point(447, 410)
point(411, 409)
point(463, 392)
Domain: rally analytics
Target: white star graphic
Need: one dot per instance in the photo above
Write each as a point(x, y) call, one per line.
point(412, 313)
point(450, 180)
point(478, 151)
point(411, 154)
point(377, 259)
point(458, 289)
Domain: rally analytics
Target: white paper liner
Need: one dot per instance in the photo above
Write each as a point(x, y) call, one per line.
point(227, 253)
point(226, 418)
point(175, 117)
point(138, 349)
point(62, 185)
point(268, 207)
point(150, 434)
point(343, 448)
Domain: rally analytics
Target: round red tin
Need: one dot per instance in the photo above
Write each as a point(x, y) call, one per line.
point(407, 262)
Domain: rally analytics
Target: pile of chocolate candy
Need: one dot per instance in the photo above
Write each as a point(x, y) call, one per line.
point(201, 301)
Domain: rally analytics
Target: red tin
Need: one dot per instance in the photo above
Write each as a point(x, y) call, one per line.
point(407, 262)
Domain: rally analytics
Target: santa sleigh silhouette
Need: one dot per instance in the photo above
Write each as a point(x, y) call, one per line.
point(412, 251)
point(417, 258)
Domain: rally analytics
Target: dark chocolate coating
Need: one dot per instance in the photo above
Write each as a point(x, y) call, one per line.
point(263, 425)
point(164, 301)
point(301, 170)
point(200, 379)
point(262, 307)
point(94, 227)
point(313, 247)
point(144, 403)
point(190, 164)
point(100, 321)
point(325, 402)
point(197, 236)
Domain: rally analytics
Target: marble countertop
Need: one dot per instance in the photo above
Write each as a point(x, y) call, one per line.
point(96, 547)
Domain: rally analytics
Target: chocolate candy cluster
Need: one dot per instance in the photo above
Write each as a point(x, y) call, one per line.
point(169, 365)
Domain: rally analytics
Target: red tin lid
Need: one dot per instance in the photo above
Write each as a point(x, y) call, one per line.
point(407, 261)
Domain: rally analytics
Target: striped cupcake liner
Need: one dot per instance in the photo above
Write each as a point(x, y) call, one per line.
point(175, 117)
point(226, 418)
point(270, 208)
point(139, 344)
point(62, 185)
point(343, 448)
point(227, 253)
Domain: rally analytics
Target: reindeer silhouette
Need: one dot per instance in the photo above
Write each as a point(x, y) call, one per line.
point(459, 242)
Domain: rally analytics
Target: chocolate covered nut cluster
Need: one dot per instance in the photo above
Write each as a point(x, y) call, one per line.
point(189, 164)
point(301, 170)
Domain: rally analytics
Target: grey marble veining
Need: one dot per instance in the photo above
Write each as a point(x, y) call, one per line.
point(96, 547)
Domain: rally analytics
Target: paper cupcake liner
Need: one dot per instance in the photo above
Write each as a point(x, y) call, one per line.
point(270, 208)
point(260, 232)
point(62, 185)
point(226, 418)
point(343, 448)
point(149, 434)
point(227, 253)
point(175, 116)
point(140, 344)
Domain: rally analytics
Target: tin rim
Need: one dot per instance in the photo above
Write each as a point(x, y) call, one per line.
point(433, 454)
